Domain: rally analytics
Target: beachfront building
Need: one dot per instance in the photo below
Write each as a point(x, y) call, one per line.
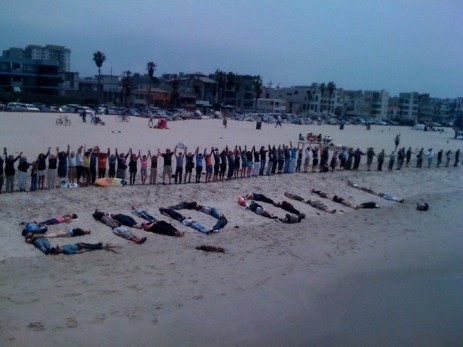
point(313, 100)
point(19, 74)
point(271, 106)
point(151, 97)
point(408, 104)
point(86, 88)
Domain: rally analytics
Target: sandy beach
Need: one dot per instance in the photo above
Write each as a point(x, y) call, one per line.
point(382, 277)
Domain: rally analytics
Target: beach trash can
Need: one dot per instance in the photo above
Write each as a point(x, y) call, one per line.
point(258, 125)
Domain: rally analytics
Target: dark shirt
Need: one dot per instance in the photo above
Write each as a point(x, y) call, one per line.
point(167, 158)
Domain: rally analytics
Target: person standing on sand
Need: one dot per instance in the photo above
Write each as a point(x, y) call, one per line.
point(167, 169)
point(225, 122)
point(391, 161)
point(408, 155)
point(400, 158)
point(457, 158)
point(419, 158)
point(102, 158)
point(179, 159)
point(62, 163)
point(121, 164)
point(133, 169)
point(350, 156)
point(52, 170)
point(381, 157)
point(307, 153)
point(370, 155)
point(357, 157)
point(263, 160)
point(208, 162)
point(447, 158)
point(189, 165)
point(199, 163)
point(42, 168)
point(439, 157)
point(278, 123)
point(23, 166)
point(430, 156)
point(397, 141)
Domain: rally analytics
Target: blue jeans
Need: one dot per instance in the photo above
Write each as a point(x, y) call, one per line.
point(145, 215)
point(220, 223)
point(42, 245)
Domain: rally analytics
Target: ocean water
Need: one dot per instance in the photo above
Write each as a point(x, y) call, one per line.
point(400, 308)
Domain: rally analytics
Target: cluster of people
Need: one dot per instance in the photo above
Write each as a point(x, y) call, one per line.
point(84, 165)
point(38, 233)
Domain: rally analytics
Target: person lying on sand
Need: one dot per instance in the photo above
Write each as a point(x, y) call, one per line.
point(259, 197)
point(287, 206)
point(256, 208)
point(105, 218)
point(143, 214)
point(67, 218)
point(163, 228)
point(314, 203)
point(81, 247)
point(290, 219)
point(70, 232)
point(187, 221)
point(128, 235)
point(335, 198)
point(126, 220)
point(368, 190)
point(209, 210)
point(33, 228)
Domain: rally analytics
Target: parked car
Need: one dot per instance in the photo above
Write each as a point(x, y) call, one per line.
point(16, 106)
point(2, 107)
point(31, 108)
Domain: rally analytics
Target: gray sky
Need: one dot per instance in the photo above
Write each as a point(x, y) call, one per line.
point(396, 45)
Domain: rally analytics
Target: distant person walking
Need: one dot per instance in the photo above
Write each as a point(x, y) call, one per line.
point(278, 121)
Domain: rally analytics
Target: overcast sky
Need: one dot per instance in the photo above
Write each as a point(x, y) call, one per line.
point(396, 45)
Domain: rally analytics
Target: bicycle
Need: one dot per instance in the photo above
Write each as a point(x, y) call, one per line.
point(63, 120)
point(122, 118)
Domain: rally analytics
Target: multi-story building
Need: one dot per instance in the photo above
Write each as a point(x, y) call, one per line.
point(50, 52)
point(28, 75)
point(408, 104)
point(34, 69)
point(271, 105)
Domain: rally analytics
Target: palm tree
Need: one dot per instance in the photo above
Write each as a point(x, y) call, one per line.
point(175, 94)
point(126, 85)
point(257, 89)
point(150, 67)
point(220, 79)
point(322, 89)
point(99, 58)
point(330, 88)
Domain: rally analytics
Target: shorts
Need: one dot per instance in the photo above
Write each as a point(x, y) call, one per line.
point(167, 170)
point(42, 173)
point(307, 161)
point(208, 168)
point(123, 232)
point(249, 164)
point(143, 171)
point(69, 232)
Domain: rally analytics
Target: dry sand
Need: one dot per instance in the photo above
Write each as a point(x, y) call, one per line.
point(314, 283)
